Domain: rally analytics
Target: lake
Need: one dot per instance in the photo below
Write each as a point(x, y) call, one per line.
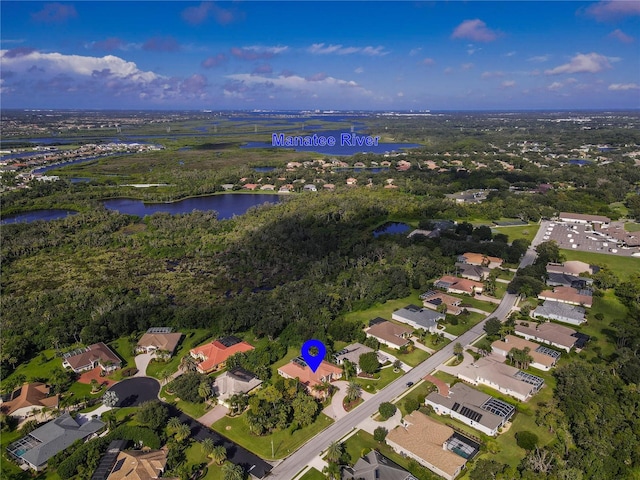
point(227, 205)
point(391, 228)
point(263, 169)
point(28, 217)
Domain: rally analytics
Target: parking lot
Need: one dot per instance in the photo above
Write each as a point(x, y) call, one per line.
point(575, 236)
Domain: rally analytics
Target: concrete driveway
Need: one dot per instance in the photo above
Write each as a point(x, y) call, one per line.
point(335, 410)
point(213, 415)
point(142, 362)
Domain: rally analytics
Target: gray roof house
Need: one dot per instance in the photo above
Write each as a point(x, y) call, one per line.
point(477, 409)
point(561, 312)
point(473, 272)
point(352, 353)
point(418, 317)
point(375, 466)
point(234, 382)
point(555, 279)
point(39, 446)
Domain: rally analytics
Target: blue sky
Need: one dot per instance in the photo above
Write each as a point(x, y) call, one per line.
point(321, 55)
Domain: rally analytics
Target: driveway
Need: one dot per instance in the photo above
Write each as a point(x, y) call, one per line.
point(142, 362)
point(335, 410)
point(134, 391)
point(213, 415)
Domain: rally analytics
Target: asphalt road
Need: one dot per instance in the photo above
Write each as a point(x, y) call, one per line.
point(289, 467)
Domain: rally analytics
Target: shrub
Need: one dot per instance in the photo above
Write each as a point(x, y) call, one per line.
point(387, 410)
point(527, 440)
point(411, 404)
point(379, 434)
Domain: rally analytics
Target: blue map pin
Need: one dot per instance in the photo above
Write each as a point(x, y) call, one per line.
point(313, 362)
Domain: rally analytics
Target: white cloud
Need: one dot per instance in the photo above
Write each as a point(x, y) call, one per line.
point(610, 10)
point(492, 74)
point(428, 61)
point(555, 86)
point(582, 63)
point(359, 70)
point(620, 35)
point(466, 66)
point(624, 86)
point(316, 83)
point(322, 49)
point(414, 51)
point(274, 50)
point(509, 54)
point(539, 58)
point(508, 83)
point(475, 30)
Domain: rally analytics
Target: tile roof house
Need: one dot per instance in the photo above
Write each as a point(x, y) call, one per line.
point(569, 295)
point(561, 312)
point(418, 317)
point(298, 368)
point(543, 358)
point(433, 299)
point(472, 407)
point(352, 353)
point(234, 382)
point(480, 260)
point(139, 465)
point(426, 441)
point(89, 358)
point(154, 341)
point(491, 371)
point(29, 398)
point(44, 442)
point(390, 334)
point(375, 466)
point(552, 334)
point(459, 285)
point(571, 267)
point(473, 272)
point(566, 280)
point(213, 355)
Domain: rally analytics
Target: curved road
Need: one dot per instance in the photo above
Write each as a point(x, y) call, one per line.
point(293, 464)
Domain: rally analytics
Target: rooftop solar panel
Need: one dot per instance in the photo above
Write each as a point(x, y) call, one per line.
point(472, 414)
point(498, 407)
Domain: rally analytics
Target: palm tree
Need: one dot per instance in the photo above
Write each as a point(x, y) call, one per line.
point(205, 390)
point(349, 369)
point(174, 423)
point(458, 349)
point(231, 471)
point(354, 391)
point(188, 364)
point(207, 446)
point(334, 451)
point(218, 454)
point(182, 433)
point(165, 376)
point(332, 471)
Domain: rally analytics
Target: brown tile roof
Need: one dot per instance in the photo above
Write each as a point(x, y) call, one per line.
point(162, 341)
point(139, 465)
point(511, 341)
point(567, 295)
point(306, 376)
point(30, 395)
point(480, 259)
point(390, 332)
point(96, 352)
point(550, 332)
point(425, 438)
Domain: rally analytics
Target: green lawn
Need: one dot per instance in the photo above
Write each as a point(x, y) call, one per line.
point(465, 322)
point(623, 267)
point(475, 303)
point(312, 474)
point(191, 339)
point(521, 231)
point(284, 442)
point(124, 349)
point(39, 367)
point(384, 310)
point(194, 410)
point(429, 343)
point(386, 376)
point(418, 392)
point(413, 359)
point(196, 457)
point(632, 227)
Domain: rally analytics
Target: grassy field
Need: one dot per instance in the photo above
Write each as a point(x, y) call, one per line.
point(196, 457)
point(384, 310)
point(386, 376)
point(465, 322)
point(623, 267)
point(418, 392)
point(191, 339)
point(413, 358)
point(475, 303)
point(194, 410)
point(284, 442)
point(521, 231)
point(632, 227)
point(312, 474)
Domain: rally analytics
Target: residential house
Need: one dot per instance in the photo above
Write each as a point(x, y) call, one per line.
point(473, 272)
point(325, 373)
point(544, 358)
point(352, 181)
point(566, 280)
point(29, 399)
point(429, 443)
point(418, 317)
point(549, 333)
point(234, 382)
point(472, 407)
point(309, 187)
point(572, 267)
point(139, 465)
point(480, 259)
point(375, 466)
point(569, 295)
point(44, 442)
point(389, 334)
point(213, 356)
point(158, 339)
point(584, 219)
point(561, 312)
point(352, 353)
point(491, 371)
point(268, 186)
point(434, 300)
point(329, 186)
point(250, 186)
point(90, 357)
point(459, 285)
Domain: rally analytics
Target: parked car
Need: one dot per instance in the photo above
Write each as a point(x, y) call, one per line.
point(409, 384)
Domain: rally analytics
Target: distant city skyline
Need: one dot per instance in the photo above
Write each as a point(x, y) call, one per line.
point(321, 55)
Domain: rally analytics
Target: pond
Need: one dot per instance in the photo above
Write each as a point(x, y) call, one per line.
point(263, 169)
point(391, 228)
point(227, 205)
point(28, 217)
